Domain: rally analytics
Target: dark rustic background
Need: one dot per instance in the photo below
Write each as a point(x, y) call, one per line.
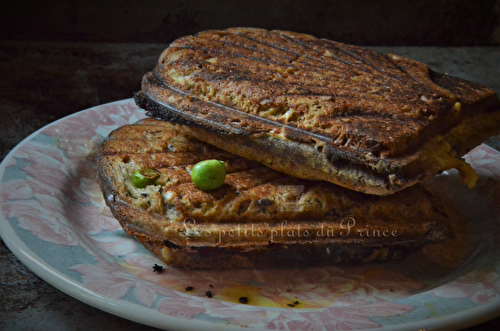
point(363, 22)
point(59, 57)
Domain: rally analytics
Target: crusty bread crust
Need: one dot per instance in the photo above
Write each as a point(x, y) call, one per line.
point(259, 217)
point(318, 109)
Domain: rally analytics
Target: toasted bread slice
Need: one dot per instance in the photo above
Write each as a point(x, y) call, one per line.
point(259, 217)
point(318, 109)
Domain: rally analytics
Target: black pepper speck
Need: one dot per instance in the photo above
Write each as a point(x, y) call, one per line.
point(157, 268)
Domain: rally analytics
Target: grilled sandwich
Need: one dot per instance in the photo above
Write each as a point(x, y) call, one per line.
point(260, 217)
point(320, 110)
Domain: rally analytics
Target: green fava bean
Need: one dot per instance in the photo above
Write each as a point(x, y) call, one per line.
point(144, 177)
point(209, 174)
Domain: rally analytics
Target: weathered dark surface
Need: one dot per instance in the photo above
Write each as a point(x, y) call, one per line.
point(383, 22)
point(42, 82)
point(29, 303)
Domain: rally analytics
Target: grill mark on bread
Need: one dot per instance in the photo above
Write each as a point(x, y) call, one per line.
point(378, 123)
point(406, 78)
point(354, 95)
point(256, 181)
point(331, 66)
point(291, 64)
point(181, 223)
point(123, 146)
point(338, 58)
point(291, 129)
point(321, 43)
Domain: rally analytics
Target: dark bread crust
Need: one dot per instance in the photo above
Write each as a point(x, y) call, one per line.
point(384, 122)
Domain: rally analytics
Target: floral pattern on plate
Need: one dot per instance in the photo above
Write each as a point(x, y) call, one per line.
point(50, 199)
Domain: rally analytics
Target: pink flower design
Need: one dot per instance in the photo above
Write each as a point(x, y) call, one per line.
point(89, 219)
point(38, 209)
point(41, 202)
point(188, 307)
point(43, 218)
point(87, 123)
point(135, 274)
point(145, 294)
point(81, 134)
point(180, 307)
point(344, 315)
point(32, 150)
point(90, 187)
point(141, 265)
point(485, 160)
point(48, 167)
point(479, 286)
point(114, 245)
point(13, 190)
point(105, 279)
point(9, 162)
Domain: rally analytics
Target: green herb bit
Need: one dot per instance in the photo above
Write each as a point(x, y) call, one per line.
point(144, 177)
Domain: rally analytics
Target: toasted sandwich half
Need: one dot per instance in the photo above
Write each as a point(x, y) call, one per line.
point(319, 109)
point(260, 217)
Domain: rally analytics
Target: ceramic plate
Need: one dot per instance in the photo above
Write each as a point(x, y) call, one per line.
point(54, 220)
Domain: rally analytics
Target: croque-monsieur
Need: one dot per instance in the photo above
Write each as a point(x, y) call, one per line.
point(260, 217)
point(325, 145)
point(319, 109)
